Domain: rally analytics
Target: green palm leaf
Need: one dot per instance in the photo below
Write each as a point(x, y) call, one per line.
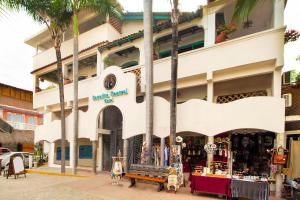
point(243, 9)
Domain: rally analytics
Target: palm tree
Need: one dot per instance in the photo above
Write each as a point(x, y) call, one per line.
point(174, 69)
point(243, 9)
point(57, 17)
point(103, 7)
point(148, 46)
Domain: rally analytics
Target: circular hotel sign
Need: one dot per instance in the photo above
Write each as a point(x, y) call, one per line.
point(110, 81)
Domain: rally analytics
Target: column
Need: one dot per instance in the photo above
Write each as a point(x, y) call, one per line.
point(280, 141)
point(276, 85)
point(210, 29)
point(51, 154)
point(36, 83)
point(100, 63)
point(162, 151)
point(140, 46)
point(210, 99)
point(279, 13)
point(100, 152)
point(125, 154)
point(210, 155)
point(65, 71)
point(94, 143)
point(72, 155)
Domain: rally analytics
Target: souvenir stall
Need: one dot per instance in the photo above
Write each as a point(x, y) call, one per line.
point(213, 179)
point(193, 153)
point(243, 165)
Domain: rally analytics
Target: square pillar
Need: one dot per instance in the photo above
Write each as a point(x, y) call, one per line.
point(51, 154)
point(162, 151)
point(210, 156)
point(94, 144)
point(276, 85)
point(125, 154)
point(100, 152)
point(100, 63)
point(210, 29)
point(278, 16)
point(280, 141)
point(72, 156)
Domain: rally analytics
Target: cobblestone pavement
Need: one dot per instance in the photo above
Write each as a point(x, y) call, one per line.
point(100, 187)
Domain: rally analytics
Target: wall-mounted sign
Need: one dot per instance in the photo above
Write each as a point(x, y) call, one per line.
point(107, 97)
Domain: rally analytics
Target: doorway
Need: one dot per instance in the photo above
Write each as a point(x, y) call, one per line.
point(112, 120)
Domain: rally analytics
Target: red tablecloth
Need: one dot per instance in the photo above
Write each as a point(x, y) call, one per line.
point(211, 185)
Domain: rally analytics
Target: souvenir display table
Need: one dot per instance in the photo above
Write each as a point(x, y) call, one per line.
point(258, 190)
point(211, 184)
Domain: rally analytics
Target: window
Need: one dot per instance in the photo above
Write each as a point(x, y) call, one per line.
point(85, 152)
point(32, 120)
point(13, 117)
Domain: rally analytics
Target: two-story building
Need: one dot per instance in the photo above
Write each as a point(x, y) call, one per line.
point(232, 87)
point(16, 110)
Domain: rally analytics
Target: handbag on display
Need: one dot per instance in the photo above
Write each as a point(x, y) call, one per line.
point(279, 157)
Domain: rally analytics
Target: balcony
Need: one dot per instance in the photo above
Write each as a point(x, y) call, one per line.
point(258, 47)
point(104, 32)
point(255, 48)
point(22, 126)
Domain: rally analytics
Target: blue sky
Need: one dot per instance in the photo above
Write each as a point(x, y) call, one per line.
point(16, 57)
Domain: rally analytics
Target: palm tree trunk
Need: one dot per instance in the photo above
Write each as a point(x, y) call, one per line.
point(174, 69)
point(148, 46)
point(62, 108)
point(75, 91)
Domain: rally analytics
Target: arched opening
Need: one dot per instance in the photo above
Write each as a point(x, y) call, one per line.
point(125, 58)
point(110, 123)
point(251, 151)
point(193, 153)
point(135, 144)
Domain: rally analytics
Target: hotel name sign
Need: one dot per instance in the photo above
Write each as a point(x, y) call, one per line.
point(108, 97)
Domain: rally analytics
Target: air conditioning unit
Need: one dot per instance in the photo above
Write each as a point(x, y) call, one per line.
point(288, 99)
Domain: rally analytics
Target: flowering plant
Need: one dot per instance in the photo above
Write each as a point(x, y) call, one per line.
point(291, 36)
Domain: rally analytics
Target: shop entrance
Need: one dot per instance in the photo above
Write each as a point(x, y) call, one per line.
point(111, 119)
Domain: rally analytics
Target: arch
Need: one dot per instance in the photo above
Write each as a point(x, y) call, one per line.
point(129, 64)
point(110, 125)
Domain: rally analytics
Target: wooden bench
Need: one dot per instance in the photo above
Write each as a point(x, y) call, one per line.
point(148, 173)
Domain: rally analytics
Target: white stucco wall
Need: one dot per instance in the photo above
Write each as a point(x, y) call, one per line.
point(266, 113)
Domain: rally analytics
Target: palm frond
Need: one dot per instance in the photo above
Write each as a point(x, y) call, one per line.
point(243, 9)
point(102, 7)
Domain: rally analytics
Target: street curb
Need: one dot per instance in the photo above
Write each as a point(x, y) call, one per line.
point(30, 171)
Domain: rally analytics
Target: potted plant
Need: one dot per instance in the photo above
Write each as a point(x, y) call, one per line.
point(108, 61)
point(223, 30)
point(67, 81)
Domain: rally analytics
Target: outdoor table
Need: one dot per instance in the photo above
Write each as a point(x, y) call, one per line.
point(211, 185)
point(256, 190)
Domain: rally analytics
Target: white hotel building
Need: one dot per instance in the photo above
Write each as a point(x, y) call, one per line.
point(229, 87)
